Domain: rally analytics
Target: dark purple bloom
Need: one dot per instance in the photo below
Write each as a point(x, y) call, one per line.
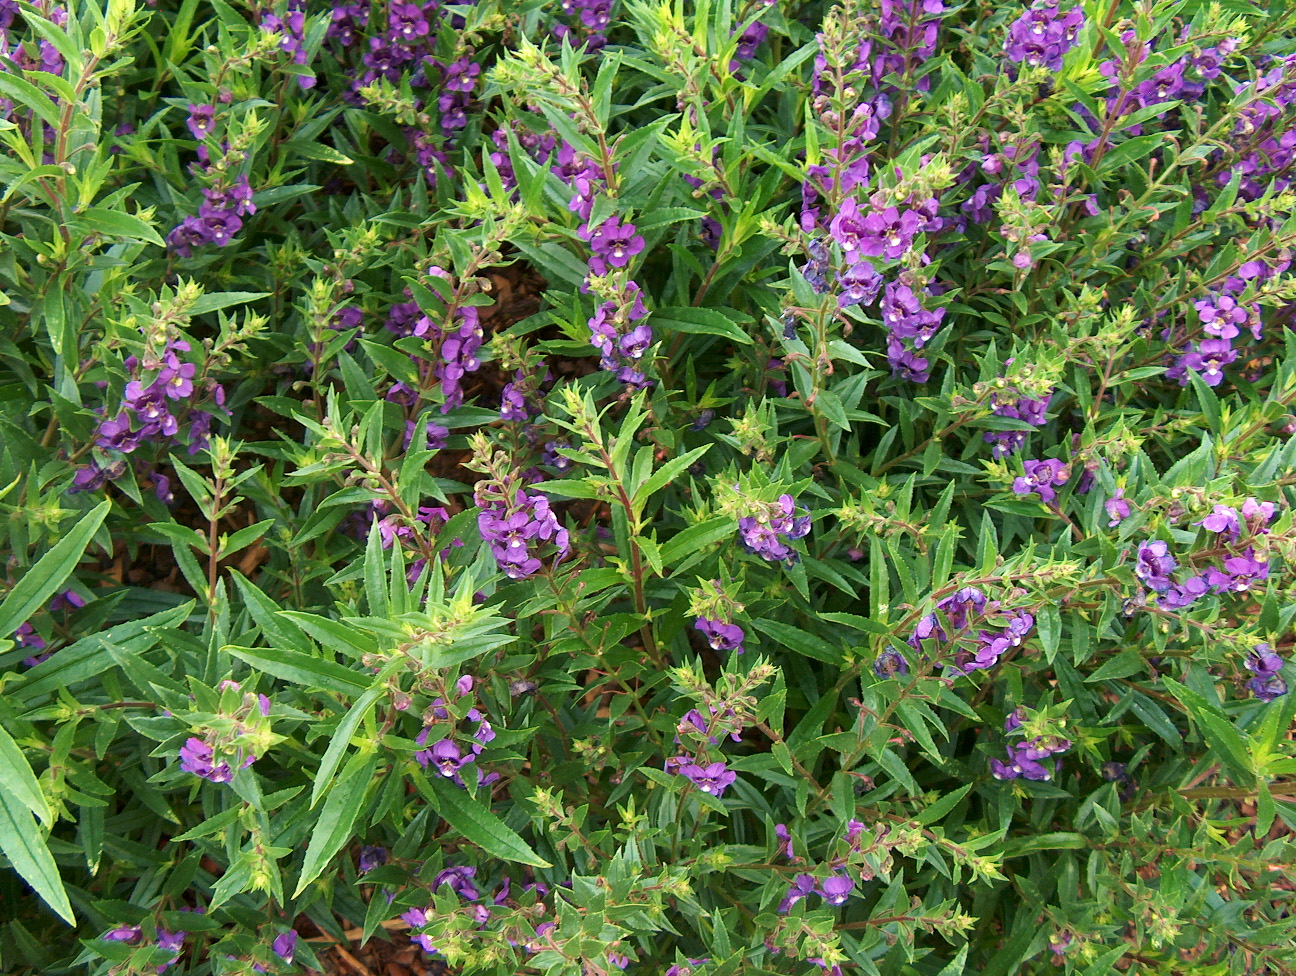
point(766, 533)
point(784, 840)
point(890, 663)
point(906, 363)
point(1042, 478)
point(372, 856)
point(1266, 665)
point(196, 757)
point(613, 244)
point(123, 933)
point(837, 889)
point(285, 945)
point(448, 758)
point(1118, 509)
point(1154, 564)
point(460, 880)
point(1043, 35)
point(202, 120)
point(713, 779)
point(860, 284)
point(721, 636)
point(802, 885)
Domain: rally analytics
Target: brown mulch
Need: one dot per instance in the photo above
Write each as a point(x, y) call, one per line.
point(378, 957)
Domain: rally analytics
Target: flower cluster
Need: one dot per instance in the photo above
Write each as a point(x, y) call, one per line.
point(1025, 759)
point(1239, 571)
point(445, 755)
point(225, 202)
point(514, 523)
point(1015, 407)
point(771, 526)
point(167, 941)
point(1222, 317)
point(960, 610)
point(1043, 35)
point(715, 609)
point(157, 386)
point(1042, 478)
point(589, 19)
point(291, 29)
point(1266, 665)
point(218, 755)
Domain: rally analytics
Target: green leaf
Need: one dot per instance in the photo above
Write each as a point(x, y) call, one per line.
point(114, 223)
point(665, 475)
point(22, 843)
point(333, 829)
point(1230, 745)
point(478, 824)
point(698, 321)
point(25, 93)
point(17, 778)
point(90, 655)
point(662, 216)
point(937, 811)
point(955, 967)
point(342, 738)
point(39, 583)
point(1058, 841)
point(332, 633)
point(211, 825)
point(1121, 666)
point(224, 299)
point(697, 538)
point(798, 640)
point(302, 669)
point(1209, 402)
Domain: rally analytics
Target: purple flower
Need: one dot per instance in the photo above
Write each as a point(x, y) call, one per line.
point(460, 880)
point(512, 532)
point(713, 779)
point(613, 244)
point(1185, 593)
point(285, 945)
point(784, 838)
point(1239, 573)
point(848, 230)
point(890, 663)
point(837, 889)
point(1118, 509)
point(802, 885)
point(196, 757)
point(890, 233)
point(766, 534)
point(202, 120)
point(906, 363)
point(1252, 509)
point(1154, 564)
point(721, 636)
point(448, 758)
point(1267, 687)
point(123, 933)
point(1041, 478)
point(1043, 35)
point(372, 856)
point(1223, 520)
point(860, 284)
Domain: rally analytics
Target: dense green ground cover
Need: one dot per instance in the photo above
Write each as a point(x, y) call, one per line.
point(677, 487)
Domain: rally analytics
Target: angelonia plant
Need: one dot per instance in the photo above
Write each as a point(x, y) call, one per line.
point(682, 487)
